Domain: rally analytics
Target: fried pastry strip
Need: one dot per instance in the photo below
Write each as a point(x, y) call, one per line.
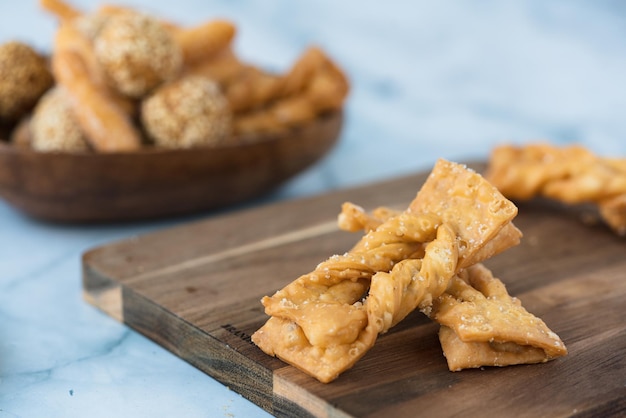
point(319, 322)
point(569, 174)
point(483, 326)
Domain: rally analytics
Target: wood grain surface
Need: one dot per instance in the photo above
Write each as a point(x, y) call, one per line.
point(195, 289)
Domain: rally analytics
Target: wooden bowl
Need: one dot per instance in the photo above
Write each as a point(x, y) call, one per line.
point(151, 183)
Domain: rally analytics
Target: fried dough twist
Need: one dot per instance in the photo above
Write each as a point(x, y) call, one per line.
point(324, 330)
point(569, 174)
point(481, 324)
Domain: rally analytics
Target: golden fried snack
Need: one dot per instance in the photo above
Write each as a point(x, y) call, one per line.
point(277, 117)
point(137, 53)
point(299, 76)
point(477, 233)
point(329, 88)
point(353, 218)
point(486, 222)
point(188, 112)
point(316, 72)
point(64, 11)
point(493, 328)
point(203, 42)
point(569, 174)
point(319, 322)
point(106, 126)
point(24, 77)
point(223, 68)
point(313, 86)
point(413, 283)
point(252, 88)
point(54, 127)
point(483, 326)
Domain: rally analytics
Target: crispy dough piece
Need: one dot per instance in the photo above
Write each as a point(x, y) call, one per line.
point(472, 355)
point(313, 86)
point(481, 211)
point(321, 313)
point(569, 174)
point(413, 283)
point(483, 326)
point(203, 42)
point(224, 68)
point(251, 89)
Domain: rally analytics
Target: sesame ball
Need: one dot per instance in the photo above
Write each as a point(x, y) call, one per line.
point(24, 77)
point(188, 112)
point(89, 25)
point(53, 126)
point(137, 53)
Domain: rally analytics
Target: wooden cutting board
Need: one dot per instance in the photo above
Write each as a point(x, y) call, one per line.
point(195, 290)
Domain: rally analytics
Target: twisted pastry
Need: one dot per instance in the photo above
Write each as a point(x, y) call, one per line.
point(342, 280)
point(321, 324)
point(570, 174)
point(481, 325)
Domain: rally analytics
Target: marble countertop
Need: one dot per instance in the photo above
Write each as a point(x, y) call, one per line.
point(429, 80)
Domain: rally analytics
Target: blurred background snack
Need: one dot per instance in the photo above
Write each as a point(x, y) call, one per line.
point(53, 126)
point(136, 53)
point(187, 112)
point(24, 77)
point(114, 60)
